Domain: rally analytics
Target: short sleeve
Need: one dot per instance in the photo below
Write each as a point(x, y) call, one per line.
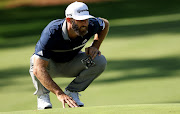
point(101, 23)
point(43, 46)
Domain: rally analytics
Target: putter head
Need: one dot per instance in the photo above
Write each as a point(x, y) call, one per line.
point(88, 62)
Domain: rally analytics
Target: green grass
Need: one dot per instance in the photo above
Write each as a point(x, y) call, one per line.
point(112, 109)
point(142, 51)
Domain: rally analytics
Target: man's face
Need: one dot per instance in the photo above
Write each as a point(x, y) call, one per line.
point(80, 26)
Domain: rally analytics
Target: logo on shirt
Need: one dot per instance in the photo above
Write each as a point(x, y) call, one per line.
point(84, 41)
point(40, 53)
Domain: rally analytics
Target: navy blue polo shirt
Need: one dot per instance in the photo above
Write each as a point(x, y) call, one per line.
point(55, 44)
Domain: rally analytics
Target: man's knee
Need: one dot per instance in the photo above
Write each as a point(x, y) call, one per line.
point(100, 62)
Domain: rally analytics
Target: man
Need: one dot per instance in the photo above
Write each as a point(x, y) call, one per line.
point(58, 54)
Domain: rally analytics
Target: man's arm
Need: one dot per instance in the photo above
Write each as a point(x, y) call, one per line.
point(98, 39)
point(43, 76)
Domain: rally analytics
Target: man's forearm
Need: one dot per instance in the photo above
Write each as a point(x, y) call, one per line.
point(98, 38)
point(45, 79)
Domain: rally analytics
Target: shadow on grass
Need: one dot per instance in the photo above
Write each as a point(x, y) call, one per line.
point(145, 29)
point(160, 68)
point(157, 68)
point(9, 76)
point(116, 32)
point(29, 22)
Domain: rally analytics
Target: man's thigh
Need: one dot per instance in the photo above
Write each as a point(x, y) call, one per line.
point(68, 69)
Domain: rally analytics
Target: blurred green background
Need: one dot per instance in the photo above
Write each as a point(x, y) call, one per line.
point(142, 50)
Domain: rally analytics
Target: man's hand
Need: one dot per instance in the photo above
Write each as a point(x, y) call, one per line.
point(46, 80)
point(66, 99)
point(92, 51)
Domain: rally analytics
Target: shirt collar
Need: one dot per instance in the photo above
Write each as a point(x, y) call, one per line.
point(64, 31)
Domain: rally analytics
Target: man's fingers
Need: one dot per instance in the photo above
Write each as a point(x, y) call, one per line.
point(74, 103)
point(94, 54)
point(71, 103)
point(66, 99)
point(90, 51)
point(63, 103)
point(99, 53)
point(87, 51)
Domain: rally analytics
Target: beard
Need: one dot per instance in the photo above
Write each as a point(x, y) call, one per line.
point(80, 31)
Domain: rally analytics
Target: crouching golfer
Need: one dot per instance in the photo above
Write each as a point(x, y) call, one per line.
point(58, 54)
